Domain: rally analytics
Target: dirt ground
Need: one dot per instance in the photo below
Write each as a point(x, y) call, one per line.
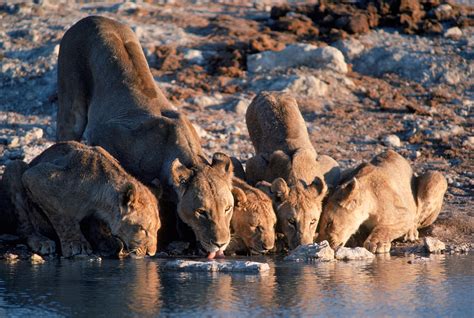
point(408, 84)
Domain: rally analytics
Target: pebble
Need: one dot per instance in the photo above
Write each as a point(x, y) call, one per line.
point(14, 142)
point(453, 33)
point(392, 141)
point(321, 252)
point(357, 253)
point(36, 259)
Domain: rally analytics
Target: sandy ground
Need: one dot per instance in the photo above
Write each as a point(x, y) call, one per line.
point(388, 85)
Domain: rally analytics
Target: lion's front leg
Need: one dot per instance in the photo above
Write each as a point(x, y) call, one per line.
point(381, 237)
point(69, 233)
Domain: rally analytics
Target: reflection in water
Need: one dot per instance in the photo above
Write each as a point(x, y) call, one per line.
point(383, 286)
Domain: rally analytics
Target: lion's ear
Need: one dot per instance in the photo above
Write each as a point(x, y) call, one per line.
point(239, 196)
point(280, 188)
point(238, 169)
point(129, 195)
point(348, 194)
point(180, 174)
point(223, 164)
point(265, 187)
point(320, 186)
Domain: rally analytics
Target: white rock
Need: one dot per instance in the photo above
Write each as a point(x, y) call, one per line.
point(214, 266)
point(14, 142)
point(351, 48)
point(357, 253)
point(34, 134)
point(453, 33)
point(392, 141)
point(469, 142)
point(434, 245)
point(194, 56)
point(206, 101)
point(298, 55)
point(321, 251)
point(200, 131)
point(240, 106)
point(307, 85)
point(36, 259)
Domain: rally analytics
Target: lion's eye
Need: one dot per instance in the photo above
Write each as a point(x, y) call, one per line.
point(313, 221)
point(328, 225)
point(292, 221)
point(228, 209)
point(201, 213)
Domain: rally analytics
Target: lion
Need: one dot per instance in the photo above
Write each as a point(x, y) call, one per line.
point(253, 222)
point(286, 165)
point(385, 198)
point(69, 182)
point(107, 97)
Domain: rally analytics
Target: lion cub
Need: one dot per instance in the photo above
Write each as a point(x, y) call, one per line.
point(253, 221)
point(286, 158)
point(69, 182)
point(385, 198)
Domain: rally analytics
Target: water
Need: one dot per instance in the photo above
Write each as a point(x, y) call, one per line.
point(385, 286)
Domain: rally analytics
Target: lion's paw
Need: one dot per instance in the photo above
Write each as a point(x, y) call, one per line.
point(72, 248)
point(377, 246)
point(41, 245)
point(411, 236)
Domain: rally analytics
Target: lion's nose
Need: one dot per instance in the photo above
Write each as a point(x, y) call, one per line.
point(219, 245)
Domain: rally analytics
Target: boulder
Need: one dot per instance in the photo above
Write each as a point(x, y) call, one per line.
point(298, 55)
point(214, 266)
point(315, 251)
point(434, 245)
point(357, 253)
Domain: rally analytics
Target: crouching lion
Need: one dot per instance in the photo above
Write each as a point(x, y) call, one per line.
point(287, 165)
point(107, 96)
point(69, 182)
point(386, 199)
point(253, 221)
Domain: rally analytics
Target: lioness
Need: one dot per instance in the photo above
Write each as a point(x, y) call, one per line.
point(253, 221)
point(69, 182)
point(380, 197)
point(107, 96)
point(286, 158)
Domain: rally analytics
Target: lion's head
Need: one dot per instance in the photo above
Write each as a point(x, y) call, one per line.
point(254, 220)
point(140, 222)
point(343, 214)
point(205, 200)
point(298, 208)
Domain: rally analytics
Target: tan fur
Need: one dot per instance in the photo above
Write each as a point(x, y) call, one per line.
point(108, 97)
point(379, 196)
point(69, 182)
point(283, 150)
point(253, 222)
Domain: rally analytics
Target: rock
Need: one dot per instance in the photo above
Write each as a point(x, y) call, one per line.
point(200, 131)
point(469, 142)
point(443, 12)
point(392, 141)
point(419, 260)
point(433, 245)
point(36, 259)
point(351, 47)
point(14, 142)
point(177, 247)
point(33, 135)
point(321, 251)
point(9, 238)
point(240, 106)
point(10, 257)
point(357, 253)
point(453, 33)
point(194, 56)
point(214, 266)
point(307, 85)
point(298, 55)
point(206, 101)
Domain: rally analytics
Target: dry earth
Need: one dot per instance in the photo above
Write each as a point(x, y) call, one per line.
point(394, 85)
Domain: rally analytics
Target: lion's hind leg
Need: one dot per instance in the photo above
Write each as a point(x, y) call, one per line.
point(431, 187)
point(26, 212)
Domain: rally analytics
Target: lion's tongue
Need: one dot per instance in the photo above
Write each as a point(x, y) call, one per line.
point(218, 254)
point(211, 255)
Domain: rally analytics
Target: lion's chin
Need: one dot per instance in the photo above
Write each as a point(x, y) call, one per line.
point(217, 254)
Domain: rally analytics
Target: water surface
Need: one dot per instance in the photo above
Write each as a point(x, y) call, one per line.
point(385, 286)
